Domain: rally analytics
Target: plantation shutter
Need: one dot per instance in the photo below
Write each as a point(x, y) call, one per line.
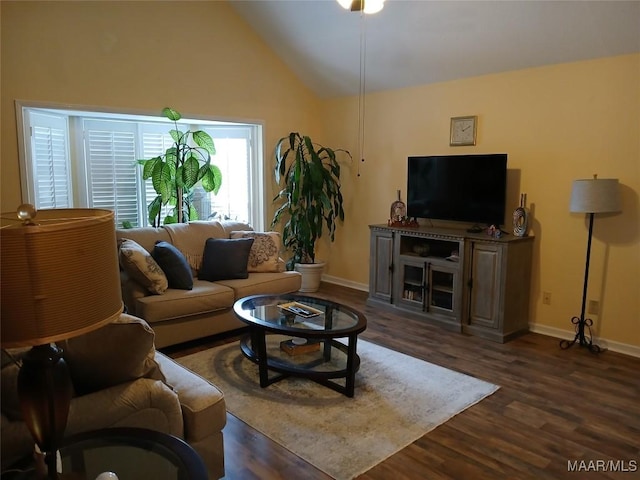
point(233, 157)
point(155, 142)
point(112, 173)
point(50, 168)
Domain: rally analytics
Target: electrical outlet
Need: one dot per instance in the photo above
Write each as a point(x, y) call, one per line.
point(546, 298)
point(594, 307)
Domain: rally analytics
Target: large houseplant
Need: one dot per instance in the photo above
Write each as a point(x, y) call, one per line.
point(175, 173)
point(310, 199)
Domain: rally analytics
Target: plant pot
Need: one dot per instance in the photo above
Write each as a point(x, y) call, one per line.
point(311, 275)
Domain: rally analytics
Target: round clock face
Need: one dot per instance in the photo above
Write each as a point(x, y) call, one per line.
point(463, 131)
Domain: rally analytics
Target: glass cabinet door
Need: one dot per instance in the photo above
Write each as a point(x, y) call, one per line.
point(413, 284)
point(442, 282)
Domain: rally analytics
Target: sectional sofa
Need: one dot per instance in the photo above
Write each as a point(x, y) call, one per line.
point(179, 313)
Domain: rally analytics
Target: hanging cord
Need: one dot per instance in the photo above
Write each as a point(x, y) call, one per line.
point(362, 89)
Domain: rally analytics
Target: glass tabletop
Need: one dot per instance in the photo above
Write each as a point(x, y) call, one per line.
point(131, 453)
point(299, 314)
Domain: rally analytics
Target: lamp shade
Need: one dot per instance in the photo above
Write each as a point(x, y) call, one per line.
point(59, 275)
point(597, 195)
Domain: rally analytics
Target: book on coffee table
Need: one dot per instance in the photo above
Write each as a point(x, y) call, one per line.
point(295, 348)
point(300, 309)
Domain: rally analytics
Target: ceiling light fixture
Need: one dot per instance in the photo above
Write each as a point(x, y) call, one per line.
point(366, 6)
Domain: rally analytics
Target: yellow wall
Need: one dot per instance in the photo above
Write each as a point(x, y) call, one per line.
point(197, 57)
point(557, 124)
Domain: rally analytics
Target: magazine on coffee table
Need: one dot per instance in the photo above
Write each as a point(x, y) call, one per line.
point(300, 309)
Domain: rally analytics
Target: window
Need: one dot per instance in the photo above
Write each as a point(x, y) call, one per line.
point(51, 185)
point(89, 159)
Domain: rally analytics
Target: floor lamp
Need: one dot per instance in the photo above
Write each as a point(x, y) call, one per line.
point(590, 196)
point(59, 278)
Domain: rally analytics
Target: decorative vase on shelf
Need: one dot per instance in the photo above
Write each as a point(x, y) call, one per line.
point(398, 210)
point(521, 217)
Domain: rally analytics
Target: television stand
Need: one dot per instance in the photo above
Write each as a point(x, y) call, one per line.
point(465, 282)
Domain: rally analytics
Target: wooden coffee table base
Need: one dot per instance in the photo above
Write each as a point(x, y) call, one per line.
point(254, 347)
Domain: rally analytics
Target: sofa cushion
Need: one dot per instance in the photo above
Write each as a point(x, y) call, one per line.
point(118, 352)
point(144, 236)
point(204, 297)
point(225, 258)
point(140, 265)
point(264, 254)
point(190, 238)
point(233, 226)
point(264, 283)
point(174, 265)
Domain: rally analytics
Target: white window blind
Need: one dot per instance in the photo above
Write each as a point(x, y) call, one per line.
point(112, 175)
point(233, 157)
point(50, 171)
point(155, 141)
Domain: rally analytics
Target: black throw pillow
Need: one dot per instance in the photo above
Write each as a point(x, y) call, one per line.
point(225, 259)
point(174, 265)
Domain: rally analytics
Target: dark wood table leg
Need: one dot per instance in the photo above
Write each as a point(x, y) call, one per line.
point(259, 346)
point(328, 324)
point(350, 379)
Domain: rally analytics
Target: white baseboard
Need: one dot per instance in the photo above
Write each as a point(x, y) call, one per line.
point(345, 283)
point(605, 344)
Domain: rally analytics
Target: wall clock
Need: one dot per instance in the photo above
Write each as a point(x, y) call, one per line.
point(463, 131)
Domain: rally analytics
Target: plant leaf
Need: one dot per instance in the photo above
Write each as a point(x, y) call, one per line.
point(154, 209)
point(212, 179)
point(204, 140)
point(177, 135)
point(190, 171)
point(171, 114)
point(148, 167)
point(162, 180)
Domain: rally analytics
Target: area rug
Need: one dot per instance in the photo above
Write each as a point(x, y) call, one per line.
point(397, 400)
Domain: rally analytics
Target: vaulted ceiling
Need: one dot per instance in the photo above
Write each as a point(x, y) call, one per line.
point(414, 42)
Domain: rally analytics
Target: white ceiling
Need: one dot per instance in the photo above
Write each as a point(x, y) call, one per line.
point(414, 42)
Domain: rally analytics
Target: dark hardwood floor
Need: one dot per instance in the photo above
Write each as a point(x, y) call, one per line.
point(555, 409)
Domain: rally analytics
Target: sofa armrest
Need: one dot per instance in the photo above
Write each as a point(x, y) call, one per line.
point(143, 403)
point(203, 407)
point(17, 441)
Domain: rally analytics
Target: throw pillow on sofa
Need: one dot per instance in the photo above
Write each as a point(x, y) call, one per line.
point(265, 251)
point(174, 265)
point(140, 265)
point(225, 259)
point(118, 352)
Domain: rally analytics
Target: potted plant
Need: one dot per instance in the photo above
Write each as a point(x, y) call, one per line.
point(309, 201)
point(175, 173)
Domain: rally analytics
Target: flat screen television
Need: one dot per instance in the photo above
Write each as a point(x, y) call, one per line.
point(463, 188)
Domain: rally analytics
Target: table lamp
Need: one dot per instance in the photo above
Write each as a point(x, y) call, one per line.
point(59, 278)
point(590, 196)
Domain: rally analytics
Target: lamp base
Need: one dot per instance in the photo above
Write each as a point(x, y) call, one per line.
point(581, 339)
point(45, 390)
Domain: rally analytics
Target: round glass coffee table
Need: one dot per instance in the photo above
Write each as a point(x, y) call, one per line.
point(130, 453)
point(296, 335)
